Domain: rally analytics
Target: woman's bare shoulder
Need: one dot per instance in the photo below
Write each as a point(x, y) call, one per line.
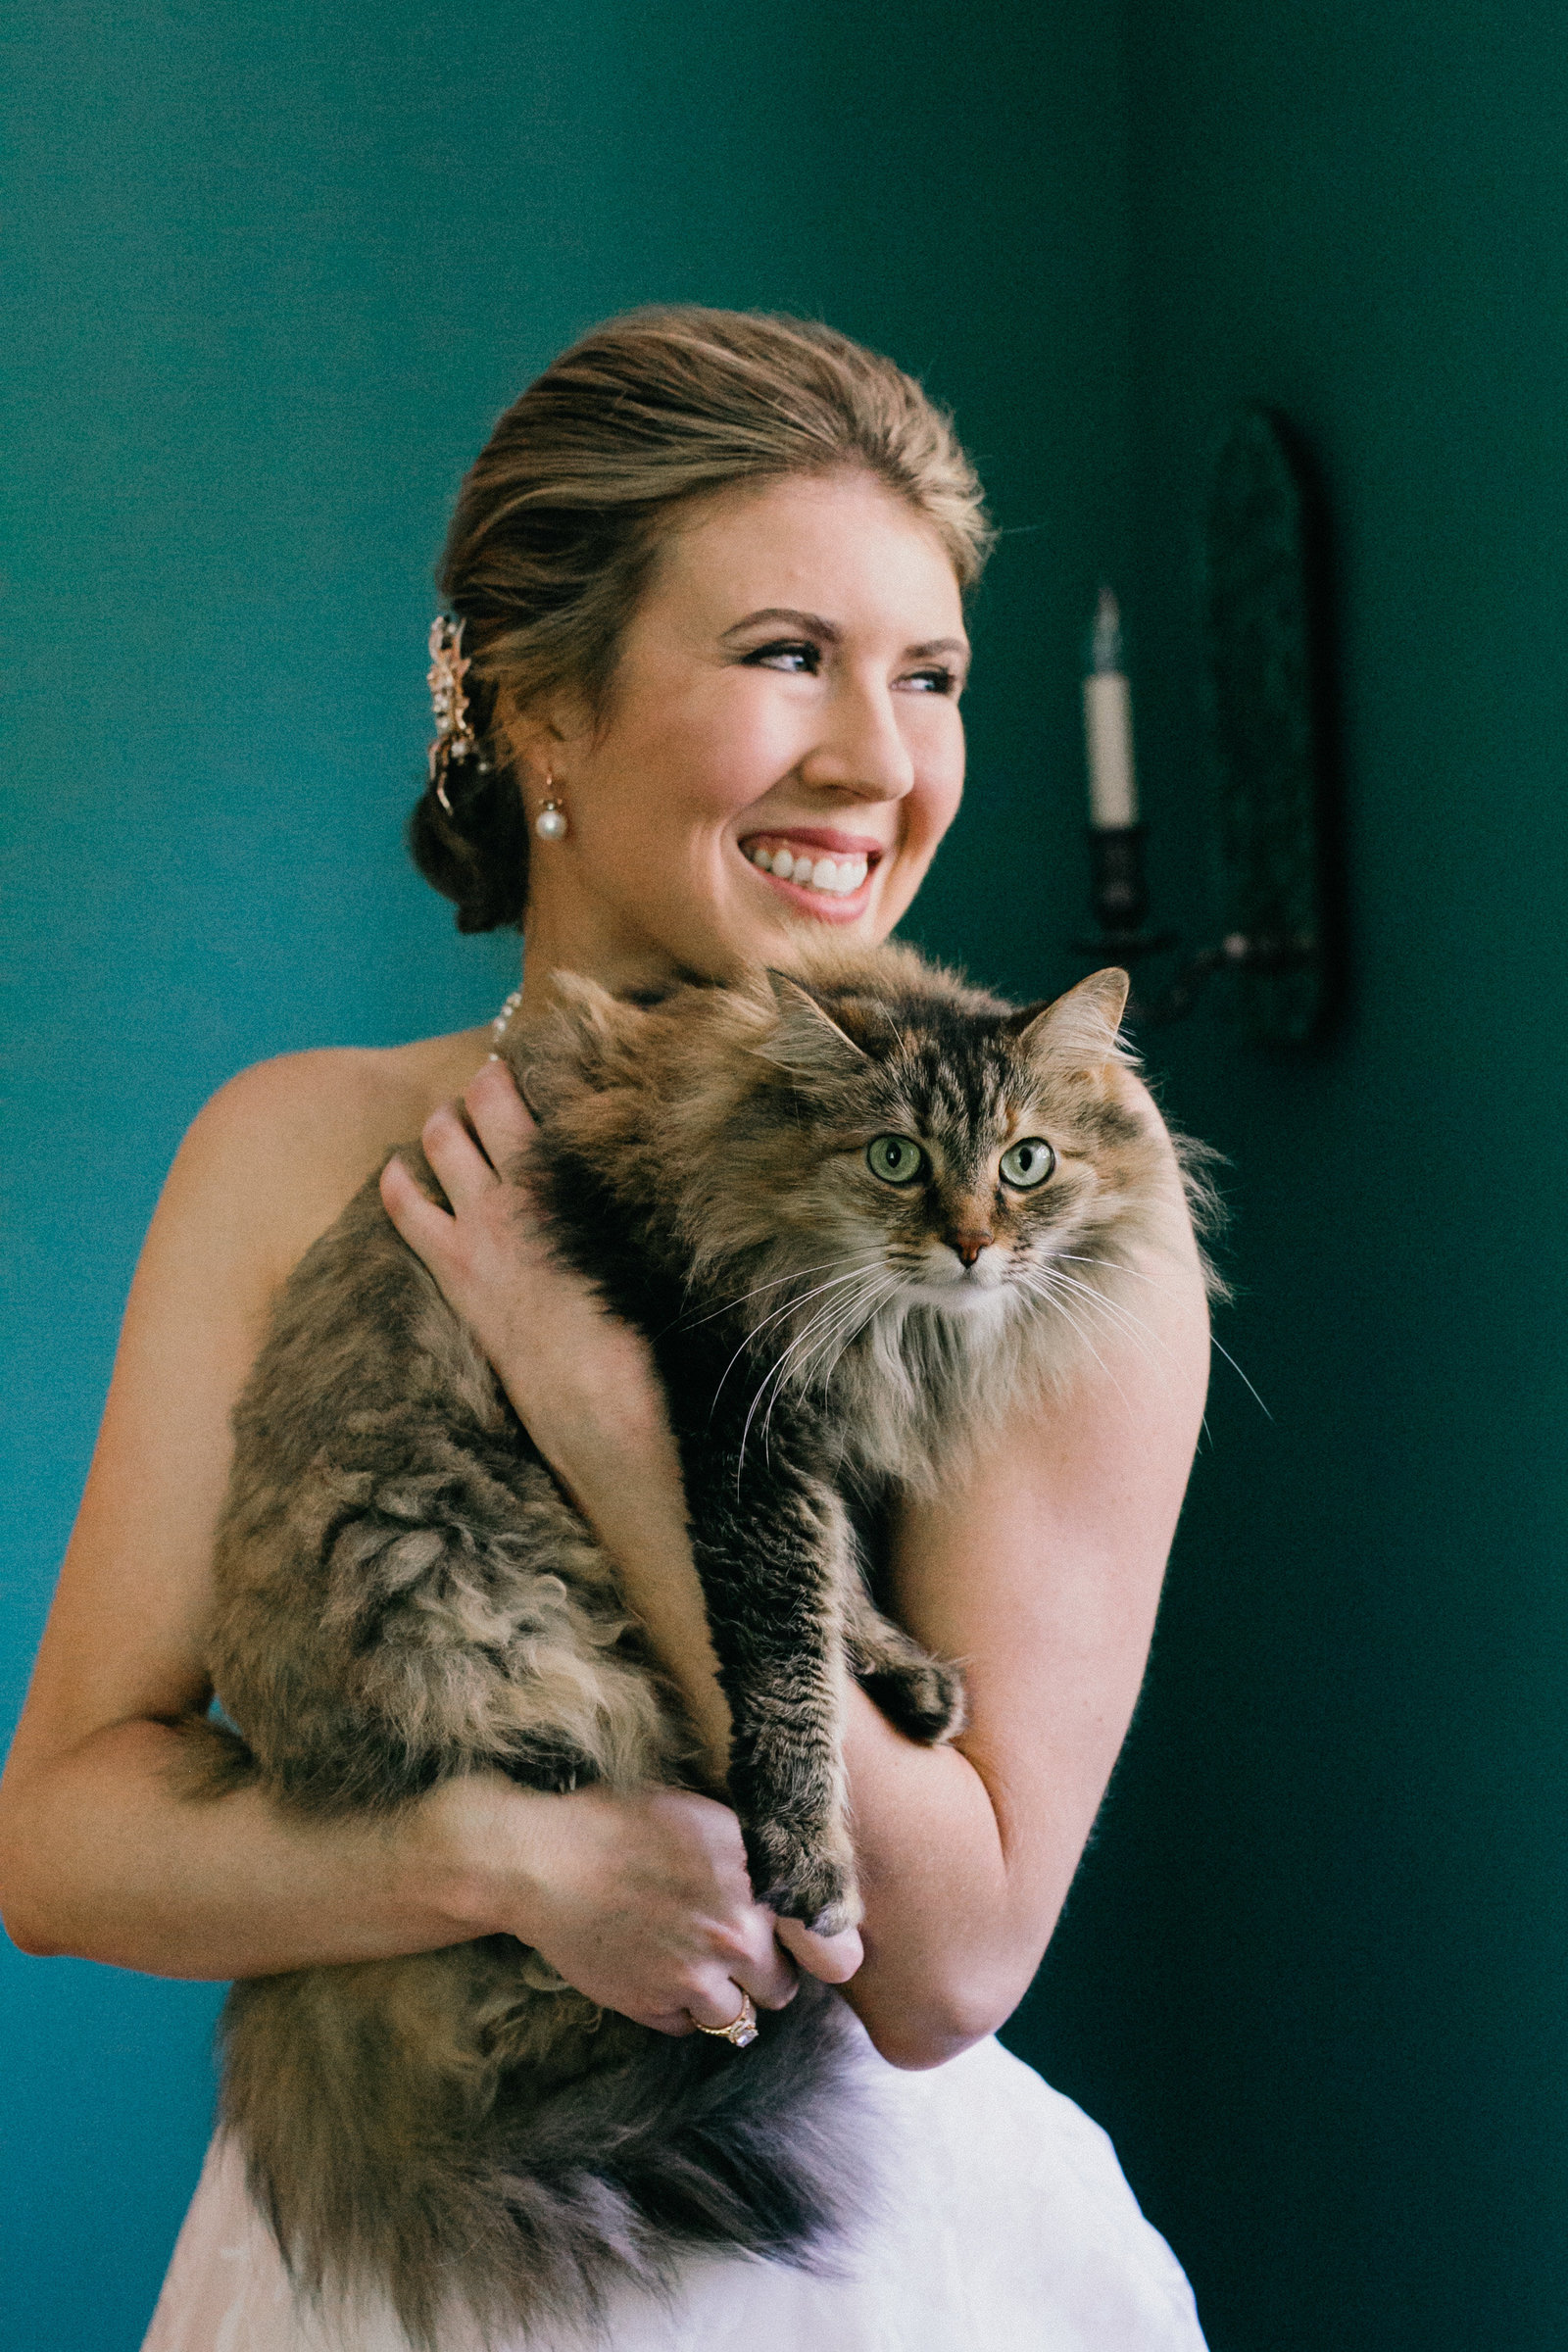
point(265, 1167)
point(279, 1151)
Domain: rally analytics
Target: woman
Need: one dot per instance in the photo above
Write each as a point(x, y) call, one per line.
point(711, 571)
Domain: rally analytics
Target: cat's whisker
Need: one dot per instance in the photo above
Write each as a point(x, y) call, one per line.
point(1219, 1346)
point(864, 1266)
point(1112, 1265)
point(777, 1372)
point(1054, 1295)
point(773, 1373)
point(797, 1274)
point(823, 1314)
point(789, 1307)
point(1121, 1318)
point(834, 1330)
point(822, 1319)
point(850, 1317)
point(1219, 1350)
point(1116, 1330)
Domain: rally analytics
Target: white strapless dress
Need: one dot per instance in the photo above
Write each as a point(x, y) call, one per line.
point(1007, 2227)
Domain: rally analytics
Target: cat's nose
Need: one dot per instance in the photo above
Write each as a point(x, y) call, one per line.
point(968, 1242)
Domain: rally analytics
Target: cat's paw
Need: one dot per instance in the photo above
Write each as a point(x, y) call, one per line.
point(798, 1877)
point(926, 1702)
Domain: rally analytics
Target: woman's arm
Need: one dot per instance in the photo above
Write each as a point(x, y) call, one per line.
point(642, 1902)
point(1040, 1573)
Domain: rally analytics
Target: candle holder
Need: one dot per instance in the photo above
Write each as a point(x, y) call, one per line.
point(1267, 706)
point(1120, 898)
point(1120, 905)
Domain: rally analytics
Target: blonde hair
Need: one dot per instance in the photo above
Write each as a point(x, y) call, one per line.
point(558, 524)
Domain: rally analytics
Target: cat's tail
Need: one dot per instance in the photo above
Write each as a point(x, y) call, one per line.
point(395, 2161)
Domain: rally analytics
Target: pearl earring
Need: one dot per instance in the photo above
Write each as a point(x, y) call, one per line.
point(551, 823)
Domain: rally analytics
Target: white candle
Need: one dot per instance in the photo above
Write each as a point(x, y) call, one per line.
point(1108, 724)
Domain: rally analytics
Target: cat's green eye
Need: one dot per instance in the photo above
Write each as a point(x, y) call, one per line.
point(1026, 1164)
point(893, 1158)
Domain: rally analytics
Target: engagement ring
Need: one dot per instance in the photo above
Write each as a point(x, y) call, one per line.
point(741, 2031)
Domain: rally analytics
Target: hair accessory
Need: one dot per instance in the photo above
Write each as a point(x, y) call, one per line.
point(741, 2031)
point(551, 823)
point(454, 737)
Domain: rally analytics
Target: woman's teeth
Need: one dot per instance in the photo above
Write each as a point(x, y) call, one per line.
point(837, 876)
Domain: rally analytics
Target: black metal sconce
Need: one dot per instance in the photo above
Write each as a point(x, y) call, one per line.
point(1265, 641)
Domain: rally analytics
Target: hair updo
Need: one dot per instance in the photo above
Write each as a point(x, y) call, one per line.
point(558, 525)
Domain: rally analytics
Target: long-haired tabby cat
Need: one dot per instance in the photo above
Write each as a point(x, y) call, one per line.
point(858, 1217)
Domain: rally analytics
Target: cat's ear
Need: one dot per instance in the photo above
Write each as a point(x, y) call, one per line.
point(808, 1041)
point(1077, 1031)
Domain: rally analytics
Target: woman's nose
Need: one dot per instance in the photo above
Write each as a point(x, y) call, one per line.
point(860, 748)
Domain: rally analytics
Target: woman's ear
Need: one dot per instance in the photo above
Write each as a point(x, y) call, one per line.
point(537, 737)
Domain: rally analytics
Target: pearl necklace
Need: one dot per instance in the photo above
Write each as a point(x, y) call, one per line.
point(503, 1020)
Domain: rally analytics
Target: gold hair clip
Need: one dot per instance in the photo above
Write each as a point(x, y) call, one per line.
point(454, 737)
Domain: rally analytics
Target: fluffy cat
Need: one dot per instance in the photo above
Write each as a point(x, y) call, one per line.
point(858, 1217)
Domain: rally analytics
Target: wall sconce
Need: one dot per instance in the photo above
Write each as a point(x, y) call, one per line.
point(1265, 680)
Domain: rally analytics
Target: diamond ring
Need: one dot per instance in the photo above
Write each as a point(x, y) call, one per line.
point(741, 2031)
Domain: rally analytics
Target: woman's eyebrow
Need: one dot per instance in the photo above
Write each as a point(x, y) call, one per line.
point(810, 625)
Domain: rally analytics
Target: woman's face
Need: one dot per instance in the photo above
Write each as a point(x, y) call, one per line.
point(782, 750)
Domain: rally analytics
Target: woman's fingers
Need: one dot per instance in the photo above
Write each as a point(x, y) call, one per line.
point(642, 1901)
point(674, 2022)
point(722, 2005)
point(466, 1159)
point(773, 1988)
point(832, 1958)
point(462, 1167)
point(765, 1970)
point(502, 1119)
point(422, 1224)
point(772, 1982)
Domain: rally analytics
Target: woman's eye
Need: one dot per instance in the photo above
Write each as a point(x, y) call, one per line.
point(1028, 1163)
point(893, 1158)
point(933, 681)
point(797, 658)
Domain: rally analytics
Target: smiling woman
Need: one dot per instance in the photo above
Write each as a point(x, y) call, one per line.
point(709, 574)
point(737, 788)
point(585, 497)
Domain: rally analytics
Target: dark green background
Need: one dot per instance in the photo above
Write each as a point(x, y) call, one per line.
point(271, 273)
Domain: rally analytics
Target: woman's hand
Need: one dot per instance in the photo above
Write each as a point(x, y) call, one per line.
point(583, 1384)
point(641, 1901)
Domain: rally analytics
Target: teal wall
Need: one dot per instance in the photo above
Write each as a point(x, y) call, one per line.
point(1336, 1850)
point(276, 268)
